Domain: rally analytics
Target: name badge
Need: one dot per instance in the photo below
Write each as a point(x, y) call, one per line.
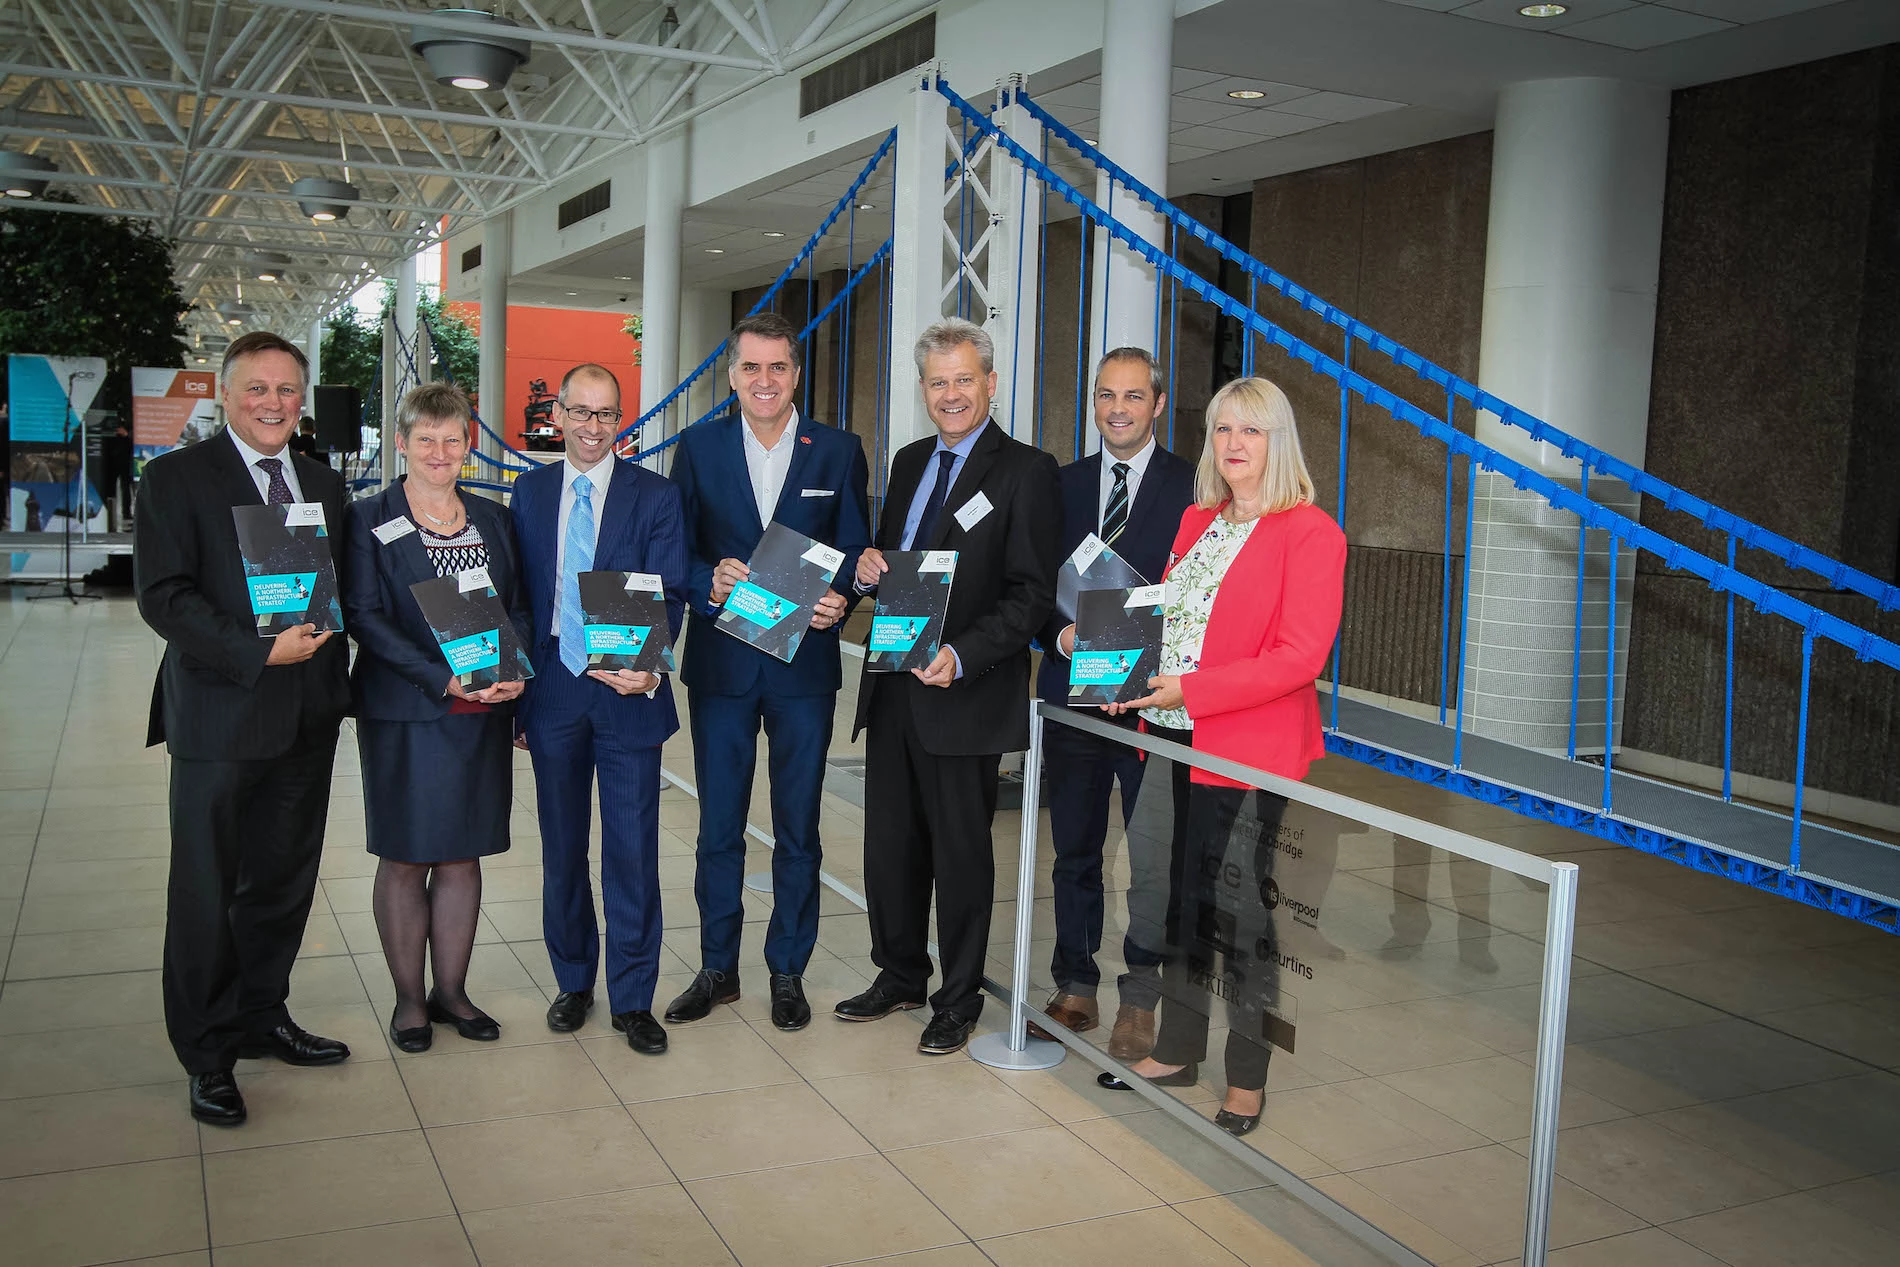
point(473, 579)
point(973, 511)
point(395, 530)
point(303, 515)
point(817, 492)
point(647, 581)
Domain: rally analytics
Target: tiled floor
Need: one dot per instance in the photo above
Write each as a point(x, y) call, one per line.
point(1731, 1094)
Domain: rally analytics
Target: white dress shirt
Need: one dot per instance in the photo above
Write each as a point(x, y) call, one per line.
point(599, 476)
point(258, 475)
point(768, 467)
point(1137, 467)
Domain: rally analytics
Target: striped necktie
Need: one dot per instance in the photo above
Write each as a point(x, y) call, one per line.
point(577, 556)
point(1115, 518)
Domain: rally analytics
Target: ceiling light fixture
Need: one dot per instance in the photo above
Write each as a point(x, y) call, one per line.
point(621, 277)
point(1543, 10)
point(715, 250)
point(19, 173)
point(236, 313)
point(323, 199)
point(866, 206)
point(669, 25)
point(1246, 94)
point(775, 233)
point(270, 266)
point(463, 60)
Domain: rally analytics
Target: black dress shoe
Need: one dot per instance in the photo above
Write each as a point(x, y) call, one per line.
point(947, 1033)
point(479, 1028)
point(644, 1034)
point(1236, 1123)
point(789, 1009)
point(569, 1010)
point(414, 1039)
point(874, 1004)
point(215, 1099)
point(709, 989)
point(1186, 1076)
point(294, 1045)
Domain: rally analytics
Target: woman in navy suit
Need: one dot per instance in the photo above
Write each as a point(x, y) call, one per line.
point(438, 766)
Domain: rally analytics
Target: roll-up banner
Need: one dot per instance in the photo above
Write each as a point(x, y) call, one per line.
point(170, 409)
point(46, 398)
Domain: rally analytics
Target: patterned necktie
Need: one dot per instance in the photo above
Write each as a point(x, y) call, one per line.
point(577, 556)
point(934, 506)
point(1115, 518)
point(280, 494)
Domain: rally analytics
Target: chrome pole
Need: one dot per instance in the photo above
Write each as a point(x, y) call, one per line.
point(1560, 926)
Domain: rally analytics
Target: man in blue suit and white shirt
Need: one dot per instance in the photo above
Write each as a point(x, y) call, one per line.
point(1130, 494)
point(735, 476)
point(592, 511)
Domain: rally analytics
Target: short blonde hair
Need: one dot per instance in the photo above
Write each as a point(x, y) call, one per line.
point(1259, 403)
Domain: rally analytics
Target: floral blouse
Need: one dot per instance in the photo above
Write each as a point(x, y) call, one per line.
point(1191, 589)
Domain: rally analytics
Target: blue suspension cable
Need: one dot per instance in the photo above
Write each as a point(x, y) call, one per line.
point(1576, 651)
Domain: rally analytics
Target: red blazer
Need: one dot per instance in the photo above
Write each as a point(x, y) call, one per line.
point(1272, 627)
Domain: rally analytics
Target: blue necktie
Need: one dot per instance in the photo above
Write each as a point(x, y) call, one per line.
point(577, 556)
point(934, 506)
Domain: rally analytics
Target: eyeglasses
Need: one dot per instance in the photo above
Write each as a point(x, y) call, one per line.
point(588, 415)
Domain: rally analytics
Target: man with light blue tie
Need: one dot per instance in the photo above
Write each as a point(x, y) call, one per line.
point(593, 511)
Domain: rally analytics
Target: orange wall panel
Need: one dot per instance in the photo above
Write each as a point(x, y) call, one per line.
point(547, 343)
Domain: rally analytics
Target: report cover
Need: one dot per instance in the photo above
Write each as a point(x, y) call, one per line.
point(624, 620)
point(907, 627)
point(287, 567)
point(1117, 644)
point(1093, 566)
point(771, 608)
point(477, 638)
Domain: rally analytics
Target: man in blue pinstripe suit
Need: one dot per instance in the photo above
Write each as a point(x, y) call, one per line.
point(593, 511)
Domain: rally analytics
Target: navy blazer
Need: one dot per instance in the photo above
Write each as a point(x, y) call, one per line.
point(1167, 490)
point(400, 674)
point(641, 530)
point(826, 497)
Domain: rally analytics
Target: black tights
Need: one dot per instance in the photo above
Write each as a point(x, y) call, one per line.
point(427, 912)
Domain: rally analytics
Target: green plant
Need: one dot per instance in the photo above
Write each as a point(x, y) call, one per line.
point(353, 346)
point(80, 285)
point(637, 327)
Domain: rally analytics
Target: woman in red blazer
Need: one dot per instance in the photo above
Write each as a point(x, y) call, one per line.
point(1254, 588)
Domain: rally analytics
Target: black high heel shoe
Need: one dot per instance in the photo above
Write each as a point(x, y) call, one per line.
point(410, 1040)
point(1186, 1076)
point(479, 1028)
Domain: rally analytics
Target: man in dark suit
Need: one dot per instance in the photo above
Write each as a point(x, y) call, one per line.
point(1130, 495)
point(592, 511)
point(251, 724)
point(938, 733)
point(736, 475)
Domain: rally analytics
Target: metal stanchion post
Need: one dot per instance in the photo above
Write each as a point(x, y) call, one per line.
point(1560, 927)
point(1015, 1049)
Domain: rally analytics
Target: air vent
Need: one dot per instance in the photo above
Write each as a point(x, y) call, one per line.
point(871, 65)
point(590, 202)
point(471, 258)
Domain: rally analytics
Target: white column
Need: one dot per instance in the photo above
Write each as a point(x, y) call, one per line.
point(492, 341)
point(1574, 243)
point(1014, 267)
point(316, 363)
point(660, 286)
point(705, 321)
point(917, 252)
point(404, 311)
point(1137, 77)
point(391, 390)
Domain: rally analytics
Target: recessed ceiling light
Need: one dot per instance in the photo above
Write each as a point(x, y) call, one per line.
point(1543, 10)
point(774, 233)
point(201, 360)
point(715, 250)
point(1246, 94)
point(865, 206)
point(573, 292)
point(621, 277)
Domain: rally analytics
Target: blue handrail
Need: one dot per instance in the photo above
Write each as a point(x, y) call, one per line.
point(1864, 644)
point(1836, 573)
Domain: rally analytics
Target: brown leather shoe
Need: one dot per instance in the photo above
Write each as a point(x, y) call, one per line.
point(1134, 1034)
point(1076, 1013)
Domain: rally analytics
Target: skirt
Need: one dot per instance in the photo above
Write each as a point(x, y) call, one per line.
point(437, 791)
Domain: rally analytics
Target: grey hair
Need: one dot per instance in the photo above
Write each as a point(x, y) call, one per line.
point(436, 402)
point(952, 333)
point(1157, 378)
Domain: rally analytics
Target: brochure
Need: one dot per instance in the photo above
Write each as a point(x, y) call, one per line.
point(622, 612)
point(288, 568)
point(1117, 644)
point(1093, 566)
point(772, 607)
point(912, 597)
point(477, 638)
